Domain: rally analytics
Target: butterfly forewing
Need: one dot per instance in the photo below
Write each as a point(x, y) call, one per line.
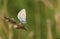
point(22, 16)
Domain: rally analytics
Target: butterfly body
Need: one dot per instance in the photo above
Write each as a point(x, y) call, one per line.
point(21, 26)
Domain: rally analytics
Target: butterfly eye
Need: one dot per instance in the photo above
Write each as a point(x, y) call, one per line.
point(22, 16)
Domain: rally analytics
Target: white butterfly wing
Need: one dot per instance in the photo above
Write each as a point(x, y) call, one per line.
point(22, 16)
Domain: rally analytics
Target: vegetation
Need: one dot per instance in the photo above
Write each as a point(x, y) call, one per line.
point(43, 19)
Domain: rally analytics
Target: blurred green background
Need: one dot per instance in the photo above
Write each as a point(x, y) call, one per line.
point(43, 19)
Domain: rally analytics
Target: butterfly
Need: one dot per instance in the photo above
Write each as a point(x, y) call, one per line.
point(22, 18)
